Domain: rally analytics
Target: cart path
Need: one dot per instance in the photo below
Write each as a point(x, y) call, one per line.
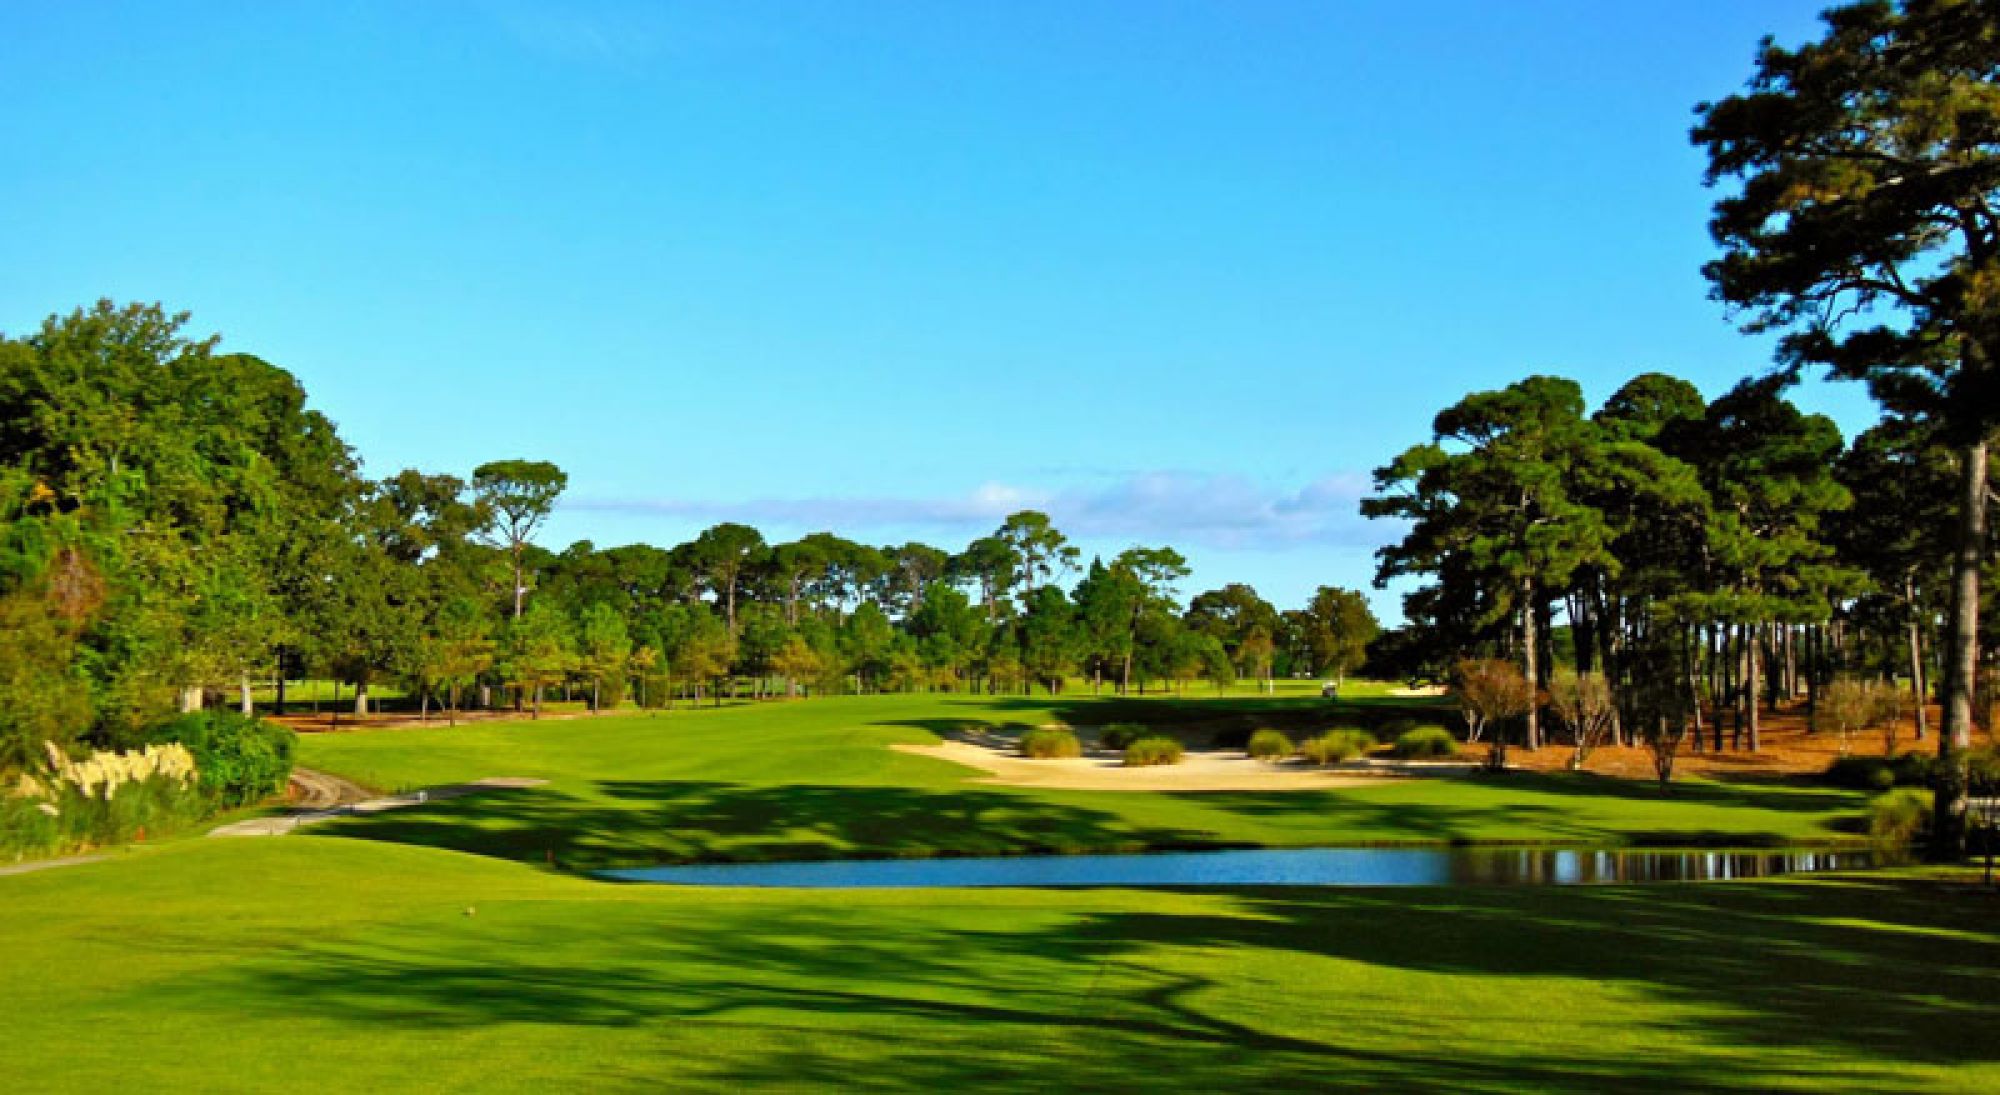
point(349, 800)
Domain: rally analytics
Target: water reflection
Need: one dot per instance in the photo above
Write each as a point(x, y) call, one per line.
point(1274, 867)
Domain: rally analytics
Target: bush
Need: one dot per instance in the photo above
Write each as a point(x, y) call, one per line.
point(1270, 745)
point(1151, 751)
point(1335, 746)
point(1395, 728)
point(1899, 817)
point(1424, 742)
point(1050, 743)
point(1913, 769)
point(1118, 735)
point(239, 759)
point(1858, 773)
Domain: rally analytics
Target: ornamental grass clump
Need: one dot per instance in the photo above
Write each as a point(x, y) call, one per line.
point(1153, 751)
point(1050, 743)
point(104, 798)
point(1270, 745)
point(1336, 746)
point(1426, 742)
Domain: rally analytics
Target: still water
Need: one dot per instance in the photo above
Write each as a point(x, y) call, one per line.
point(1270, 867)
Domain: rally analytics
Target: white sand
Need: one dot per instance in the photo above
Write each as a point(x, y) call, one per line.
point(1198, 771)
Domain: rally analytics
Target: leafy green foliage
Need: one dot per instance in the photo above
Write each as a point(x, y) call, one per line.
point(239, 760)
point(1899, 817)
point(1118, 735)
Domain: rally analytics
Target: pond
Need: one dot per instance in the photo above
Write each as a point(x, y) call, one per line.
point(1271, 867)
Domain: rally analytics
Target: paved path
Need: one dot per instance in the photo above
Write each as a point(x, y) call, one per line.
point(45, 864)
point(280, 824)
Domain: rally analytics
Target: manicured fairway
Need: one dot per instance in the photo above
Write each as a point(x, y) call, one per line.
point(328, 963)
point(816, 779)
point(308, 963)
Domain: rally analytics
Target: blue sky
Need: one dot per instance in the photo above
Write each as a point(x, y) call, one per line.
point(1176, 273)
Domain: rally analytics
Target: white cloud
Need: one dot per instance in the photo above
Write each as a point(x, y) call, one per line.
point(1172, 507)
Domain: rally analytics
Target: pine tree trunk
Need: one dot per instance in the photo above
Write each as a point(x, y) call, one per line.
point(1529, 650)
point(1916, 640)
point(1753, 649)
point(1961, 664)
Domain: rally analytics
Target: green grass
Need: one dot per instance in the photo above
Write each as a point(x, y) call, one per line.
point(347, 966)
point(341, 964)
point(816, 779)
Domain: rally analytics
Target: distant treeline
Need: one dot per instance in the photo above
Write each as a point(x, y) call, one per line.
point(178, 525)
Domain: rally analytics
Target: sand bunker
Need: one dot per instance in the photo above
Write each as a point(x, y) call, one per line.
point(1208, 771)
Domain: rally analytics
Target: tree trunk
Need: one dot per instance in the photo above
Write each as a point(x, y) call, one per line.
point(1961, 663)
point(278, 708)
point(1530, 648)
point(537, 712)
point(1753, 649)
point(517, 579)
point(451, 710)
point(360, 699)
point(190, 700)
point(243, 687)
point(1917, 689)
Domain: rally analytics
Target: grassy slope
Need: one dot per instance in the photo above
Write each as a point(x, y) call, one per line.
point(816, 778)
point(350, 965)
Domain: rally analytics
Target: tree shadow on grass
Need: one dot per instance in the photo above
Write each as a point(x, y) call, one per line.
point(645, 822)
point(1741, 987)
point(1540, 814)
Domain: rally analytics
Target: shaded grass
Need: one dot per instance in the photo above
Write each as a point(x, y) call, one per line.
point(346, 965)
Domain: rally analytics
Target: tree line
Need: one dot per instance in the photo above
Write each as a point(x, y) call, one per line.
point(180, 526)
point(1711, 558)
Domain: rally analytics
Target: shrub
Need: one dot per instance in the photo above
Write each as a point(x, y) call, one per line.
point(1270, 745)
point(1913, 769)
point(1151, 751)
point(1396, 728)
point(1050, 743)
point(1860, 773)
point(239, 759)
point(1335, 746)
point(1426, 741)
point(1118, 735)
point(1899, 817)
